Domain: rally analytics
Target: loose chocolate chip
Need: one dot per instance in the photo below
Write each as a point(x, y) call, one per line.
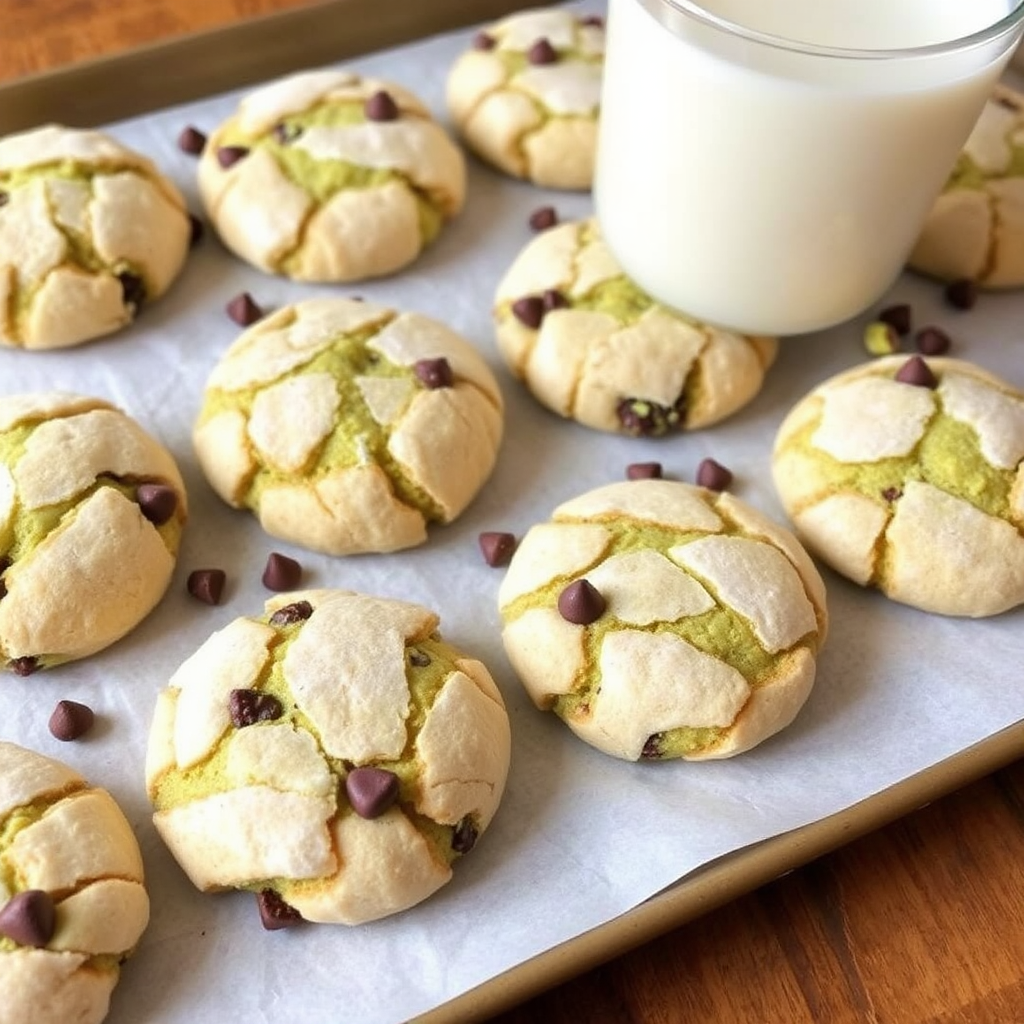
point(496, 547)
point(207, 585)
point(916, 371)
point(191, 141)
point(962, 294)
point(70, 720)
point(157, 502)
point(932, 341)
point(418, 658)
point(529, 311)
point(542, 52)
point(543, 217)
point(898, 317)
point(23, 666)
point(281, 572)
point(275, 914)
point(371, 791)
point(713, 475)
point(581, 602)
point(641, 418)
point(881, 339)
point(553, 299)
point(29, 918)
point(381, 107)
point(285, 133)
point(196, 230)
point(297, 611)
point(228, 156)
point(483, 41)
point(243, 310)
point(133, 291)
point(464, 836)
point(434, 373)
point(247, 707)
point(892, 493)
point(643, 471)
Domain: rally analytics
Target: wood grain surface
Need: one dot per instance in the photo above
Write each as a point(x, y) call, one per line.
point(921, 922)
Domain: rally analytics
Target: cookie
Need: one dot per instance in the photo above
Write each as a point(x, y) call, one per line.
point(335, 756)
point(73, 904)
point(347, 427)
point(663, 620)
point(91, 513)
point(975, 230)
point(908, 476)
point(327, 176)
point(592, 346)
point(89, 231)
point(526, 97)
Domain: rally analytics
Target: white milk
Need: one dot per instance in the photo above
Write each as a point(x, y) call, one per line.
point(777, 190)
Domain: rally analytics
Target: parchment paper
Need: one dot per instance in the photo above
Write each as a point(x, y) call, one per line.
point(580, 837)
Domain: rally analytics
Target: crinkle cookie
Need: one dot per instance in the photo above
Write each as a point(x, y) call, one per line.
point(907, 475)
point(662, 620)
point(526, 98)
point(334, 756)
point(89, 230)
point(72, 900)
point(91, 514)
point(975, 230)
point(591, 346)
point(327, 176)
point(347, 427)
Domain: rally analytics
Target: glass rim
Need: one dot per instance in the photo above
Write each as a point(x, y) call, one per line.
point(696, 12)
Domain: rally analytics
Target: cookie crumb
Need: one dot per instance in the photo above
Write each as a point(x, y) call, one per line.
point(881, 338)
point(497, 547)
point(207, 585)
point(70, 720)
point(281, 572)
point(713, 475)
point(244, 310)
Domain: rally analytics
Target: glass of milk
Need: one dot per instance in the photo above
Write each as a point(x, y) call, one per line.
point(767, 164)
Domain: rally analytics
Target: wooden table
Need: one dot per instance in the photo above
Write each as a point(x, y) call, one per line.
point(920, 922)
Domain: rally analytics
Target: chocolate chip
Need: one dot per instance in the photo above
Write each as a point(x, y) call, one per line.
point(23, 666)
point(643, 471)
point(962, 294)
point(207, 585)
point(275, 914)
point(286, 133)
point(371, 791)
point(4, 198)
point(191, 141)
point(652, 748)
point(281, 572)
point(133, 291)
point(593, 19)
point(892, 493)
point(157, 502)
point(543, 217)
point(932, 341)
point(247, 707)
point(916, 371)
point(243, 310)
point(496, 547)
point(641, 418)
point(464, 836)
point(898, 317)
point(553, 299)
point(381, 107)
point(542, 52)
point(418, 658)
point(529, 311)
point(483, 41)
point(70, 720)
point(297, 611)
point(434, 373)
point(228, 156)
point(713, 475)
point(581, 602)
point(29, 918)
point(5, 564)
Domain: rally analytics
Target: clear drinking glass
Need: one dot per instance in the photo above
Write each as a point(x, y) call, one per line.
point(767, 164)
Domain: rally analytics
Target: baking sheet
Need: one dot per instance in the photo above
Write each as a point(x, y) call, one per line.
point(581, 839)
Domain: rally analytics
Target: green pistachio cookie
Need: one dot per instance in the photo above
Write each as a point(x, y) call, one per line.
point(334, 756)
point(662, 620)
point(908, 475)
